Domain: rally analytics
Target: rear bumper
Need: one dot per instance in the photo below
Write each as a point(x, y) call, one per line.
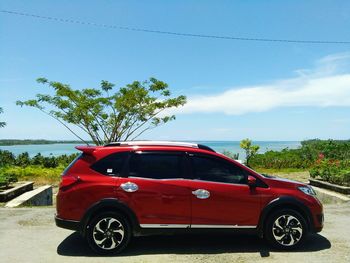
point(67, 224)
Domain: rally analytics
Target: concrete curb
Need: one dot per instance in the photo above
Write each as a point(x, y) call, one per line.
point(41, 196)
point(333, 187)
point(327, 196)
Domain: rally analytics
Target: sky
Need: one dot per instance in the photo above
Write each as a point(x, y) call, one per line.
point(235, 89)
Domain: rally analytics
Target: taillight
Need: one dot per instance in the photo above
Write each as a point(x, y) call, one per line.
point(68, 181)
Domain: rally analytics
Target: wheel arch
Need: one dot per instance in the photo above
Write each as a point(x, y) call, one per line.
point(105, 205)
point(284, 202)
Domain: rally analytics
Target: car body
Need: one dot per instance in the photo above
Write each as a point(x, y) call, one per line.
point(111, 193)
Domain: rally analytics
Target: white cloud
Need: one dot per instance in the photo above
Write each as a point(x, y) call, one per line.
point(326, 85)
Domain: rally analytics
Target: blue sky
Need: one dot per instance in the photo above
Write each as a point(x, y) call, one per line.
point(235, 89)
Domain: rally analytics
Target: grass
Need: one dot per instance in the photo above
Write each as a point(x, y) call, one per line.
point(39, 175)
point(290, 173)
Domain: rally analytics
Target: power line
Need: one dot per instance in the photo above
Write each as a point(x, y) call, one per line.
point(74, 21)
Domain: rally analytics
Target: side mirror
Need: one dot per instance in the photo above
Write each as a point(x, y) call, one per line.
point(251, 181)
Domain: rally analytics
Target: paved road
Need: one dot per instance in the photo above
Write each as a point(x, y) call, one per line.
point(29, 235)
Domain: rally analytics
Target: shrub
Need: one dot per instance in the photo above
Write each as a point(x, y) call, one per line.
point(7, 178)
point(35, 173)
point(232, 155)
point(23, 160)
point(303, 157)
point(333, 171)
point(7, 158)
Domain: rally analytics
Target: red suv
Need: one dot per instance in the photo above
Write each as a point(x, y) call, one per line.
point(113, 192)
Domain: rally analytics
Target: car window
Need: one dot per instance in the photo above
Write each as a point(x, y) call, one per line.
point(215, 170)
point(111, 164)
point(156, 166)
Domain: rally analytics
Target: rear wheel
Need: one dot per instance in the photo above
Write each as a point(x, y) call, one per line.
point(108, 233)
point(286, 229)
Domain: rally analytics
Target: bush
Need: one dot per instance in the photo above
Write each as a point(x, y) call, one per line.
point(40, 169)
point(229, 154)
point(287, 158)
point(34, 173)
point(7, 178)
point(6, 158)
point(23, 160)
point(333, 171)
point(303, 157)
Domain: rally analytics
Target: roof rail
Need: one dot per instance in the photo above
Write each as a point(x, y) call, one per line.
point(159, 143)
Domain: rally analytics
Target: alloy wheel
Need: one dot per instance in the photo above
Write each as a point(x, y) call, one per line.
point(108, 233)
point(287, 230)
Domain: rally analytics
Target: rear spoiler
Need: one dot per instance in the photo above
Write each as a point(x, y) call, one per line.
point(86, 149)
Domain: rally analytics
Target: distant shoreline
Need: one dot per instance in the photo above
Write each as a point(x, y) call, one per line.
point(10, 142)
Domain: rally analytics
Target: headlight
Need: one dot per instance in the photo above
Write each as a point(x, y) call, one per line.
point(307, 190)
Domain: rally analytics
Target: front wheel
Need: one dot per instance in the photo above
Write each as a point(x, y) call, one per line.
point(286, 229)
point(108, 233)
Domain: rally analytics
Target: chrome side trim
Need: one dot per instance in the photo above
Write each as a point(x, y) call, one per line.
point(221, 226)
point(164, 225)
point(192, 226)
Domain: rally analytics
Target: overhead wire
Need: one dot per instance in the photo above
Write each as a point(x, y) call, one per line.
point(118, 27)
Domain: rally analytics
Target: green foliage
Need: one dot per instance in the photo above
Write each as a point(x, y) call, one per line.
point(287, 158)
point(303, 157)
point(250, 150)
point(7, 158)
point(107, 115)
point(6, 179)
point(230, 154)
point(332, 149)
point(328, 160)
point(40, 175)
point(2, 124)
point(333, 171)
point(23, 160)
point(38, 168)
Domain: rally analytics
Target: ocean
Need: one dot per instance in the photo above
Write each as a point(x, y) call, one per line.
point(219, 146)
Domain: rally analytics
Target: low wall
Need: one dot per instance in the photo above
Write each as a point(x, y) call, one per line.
point(15, 191)
point(329, 186)
point(41, 196)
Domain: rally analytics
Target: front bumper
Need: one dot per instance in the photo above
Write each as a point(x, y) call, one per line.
point(67, 224)
point(320, 222)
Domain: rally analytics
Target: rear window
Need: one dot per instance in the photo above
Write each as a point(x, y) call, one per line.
point(111, 165)
point(156, 166)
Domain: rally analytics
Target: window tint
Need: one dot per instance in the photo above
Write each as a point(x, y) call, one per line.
point(157, 166)
point(215, 170)
point(111, 164)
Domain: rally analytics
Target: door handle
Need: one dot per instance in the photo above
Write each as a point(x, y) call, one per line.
point(201, 193)
point(129, 187)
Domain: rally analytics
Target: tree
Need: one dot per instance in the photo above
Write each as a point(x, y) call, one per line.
point(105, 114)
point(2, 124)
point(250, 150)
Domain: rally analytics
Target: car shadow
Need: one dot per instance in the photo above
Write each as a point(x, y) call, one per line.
point(75, 245)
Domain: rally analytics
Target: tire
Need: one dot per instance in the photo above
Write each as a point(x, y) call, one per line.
point(285, 229)
point(108, 233)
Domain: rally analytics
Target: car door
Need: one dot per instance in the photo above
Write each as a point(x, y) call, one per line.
point(220, 194)
point(156, 190)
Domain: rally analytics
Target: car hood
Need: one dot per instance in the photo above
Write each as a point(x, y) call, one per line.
point(282, 182)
